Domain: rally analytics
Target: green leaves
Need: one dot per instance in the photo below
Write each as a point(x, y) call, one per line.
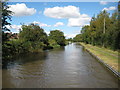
point(78, 38)
point(103, 31)
point(33, 37)
point(58, 37)
point(6, 14)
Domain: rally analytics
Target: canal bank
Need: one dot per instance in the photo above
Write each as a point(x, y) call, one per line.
point(106, 65)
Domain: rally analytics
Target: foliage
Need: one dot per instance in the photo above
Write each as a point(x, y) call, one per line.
point(11, 48)
point(68, 41)
point(103, 31)
point(33, 37)
point(53, 43)
point(58, 37)
point(77, 38)
point(6, 15)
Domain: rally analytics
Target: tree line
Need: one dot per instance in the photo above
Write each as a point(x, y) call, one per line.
point(104, 30)
point(31, 38)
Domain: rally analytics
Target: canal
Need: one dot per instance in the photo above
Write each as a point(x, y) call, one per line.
point(67, 67)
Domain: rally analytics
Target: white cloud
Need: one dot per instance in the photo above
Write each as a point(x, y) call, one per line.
point(44, 25)
point(79, 22)
point(35, 22)
point(70, 35)
point(21, 10)
point(14, 28)
point(62, 12)
point(58, 24)
point(109, 9)
point(41, 24)
point(103, 2)
point(72, 13)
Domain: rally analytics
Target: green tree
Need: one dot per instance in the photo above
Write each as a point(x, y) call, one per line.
point(118, 25)
point(69, 39)
point(33, 37)
point(93, 30)
point(85, 34)
point(6, 15)
point(58, 36)
point(114, 32)
point(53, 43)
point(103, 30)
point(77, 38)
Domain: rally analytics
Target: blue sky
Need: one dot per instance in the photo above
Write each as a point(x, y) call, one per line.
point(68, 17)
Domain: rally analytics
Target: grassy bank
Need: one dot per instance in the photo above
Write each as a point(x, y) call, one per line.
point(108, 56)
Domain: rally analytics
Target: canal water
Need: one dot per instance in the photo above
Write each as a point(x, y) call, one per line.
point(67, 67)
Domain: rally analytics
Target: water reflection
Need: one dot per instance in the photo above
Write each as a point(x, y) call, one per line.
point(69, 66)
point(25, 58)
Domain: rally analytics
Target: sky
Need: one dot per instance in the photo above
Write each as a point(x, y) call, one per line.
point(68, 17)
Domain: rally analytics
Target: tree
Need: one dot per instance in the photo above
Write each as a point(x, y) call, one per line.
point(113, 32)
point(119, 24)
point(69, 39)
point(6, 15)
point(86, 34)
point(58, 36)
point(77, 38)
point(103, 30)
point(33, 37)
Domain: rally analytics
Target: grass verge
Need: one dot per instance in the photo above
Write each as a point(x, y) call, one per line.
point(108, 56)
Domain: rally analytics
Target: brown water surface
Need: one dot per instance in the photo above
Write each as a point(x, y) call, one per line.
point(67, 67)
